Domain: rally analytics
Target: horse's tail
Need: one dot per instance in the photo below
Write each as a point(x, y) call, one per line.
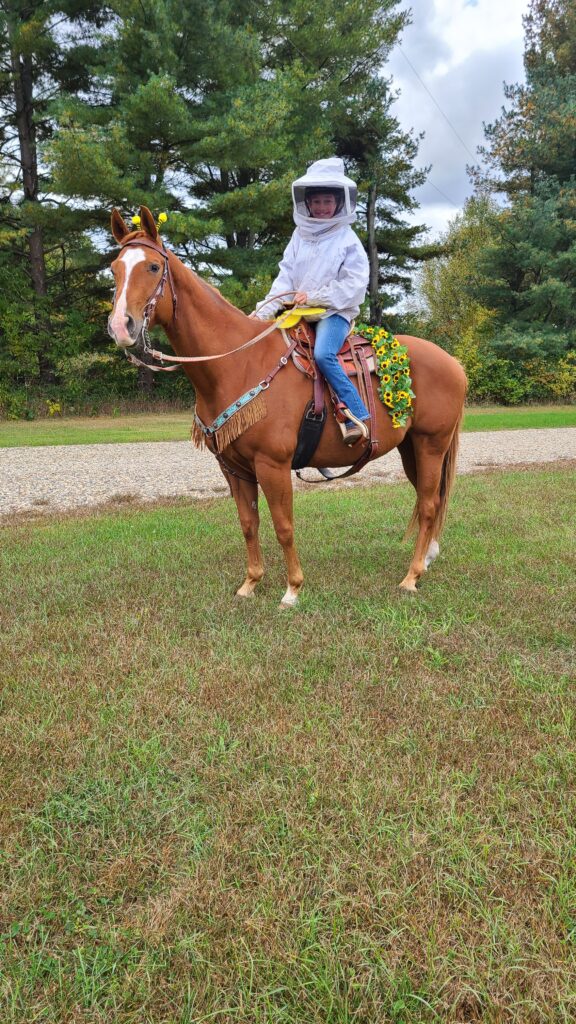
point(447, 478)
point(446, 484)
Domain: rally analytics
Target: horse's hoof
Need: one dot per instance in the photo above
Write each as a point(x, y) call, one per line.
point(410, 589)
point(244, 593)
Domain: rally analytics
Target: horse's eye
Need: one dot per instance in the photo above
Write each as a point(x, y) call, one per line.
point(154, 267)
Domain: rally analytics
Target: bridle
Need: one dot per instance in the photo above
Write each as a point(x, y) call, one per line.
point(151, 306)
point(152, 303)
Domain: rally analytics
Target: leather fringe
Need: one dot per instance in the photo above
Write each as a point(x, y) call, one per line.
point(234, 426)
point(197, 436)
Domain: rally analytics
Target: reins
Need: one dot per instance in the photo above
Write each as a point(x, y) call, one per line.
point(151, 305)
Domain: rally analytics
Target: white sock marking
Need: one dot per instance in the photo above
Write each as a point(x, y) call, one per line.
point(432, 553)
point(290, 598)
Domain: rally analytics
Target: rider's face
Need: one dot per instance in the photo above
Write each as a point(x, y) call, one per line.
point(322, 206)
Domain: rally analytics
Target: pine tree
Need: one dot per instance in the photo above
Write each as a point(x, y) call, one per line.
point(529, 269)
point(218, 140)
point(44, 48)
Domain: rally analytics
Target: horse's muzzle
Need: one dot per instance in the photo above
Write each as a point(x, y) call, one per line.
point(125, 331)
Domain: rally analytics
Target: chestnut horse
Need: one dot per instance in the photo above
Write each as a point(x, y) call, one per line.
point(200, 322)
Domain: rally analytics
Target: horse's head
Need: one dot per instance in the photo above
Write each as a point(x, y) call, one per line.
point(140, 272)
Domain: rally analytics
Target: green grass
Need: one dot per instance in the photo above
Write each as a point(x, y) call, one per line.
point(526, 416)
point(96, 429)
point(176, 426)
point(360, 811)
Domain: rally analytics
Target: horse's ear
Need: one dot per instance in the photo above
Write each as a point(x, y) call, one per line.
point(119, 226)
point(148, 223)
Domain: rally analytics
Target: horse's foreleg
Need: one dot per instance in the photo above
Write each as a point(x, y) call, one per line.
point(245, 495)
point(276, 482)
point(429, 460)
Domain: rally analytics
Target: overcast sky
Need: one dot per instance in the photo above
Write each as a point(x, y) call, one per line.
point(463, 50)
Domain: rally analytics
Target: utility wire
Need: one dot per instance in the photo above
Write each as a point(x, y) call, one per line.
point(458, 206)
point(435, 101)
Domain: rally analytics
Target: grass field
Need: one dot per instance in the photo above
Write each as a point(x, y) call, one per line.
point(360, 811)
point(176, 426)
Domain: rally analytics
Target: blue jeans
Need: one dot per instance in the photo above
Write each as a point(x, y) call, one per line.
point(330, 335)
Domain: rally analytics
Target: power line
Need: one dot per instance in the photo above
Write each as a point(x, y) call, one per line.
point(435, 101)
point(443, 194)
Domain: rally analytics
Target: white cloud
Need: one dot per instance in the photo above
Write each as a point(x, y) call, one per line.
point(462, 52)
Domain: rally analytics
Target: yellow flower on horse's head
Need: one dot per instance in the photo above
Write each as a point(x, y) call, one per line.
point(386, 378)
point(136, 220)
point(162, 218)
point(395, 343)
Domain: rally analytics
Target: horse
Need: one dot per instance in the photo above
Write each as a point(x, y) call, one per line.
point(216, 338)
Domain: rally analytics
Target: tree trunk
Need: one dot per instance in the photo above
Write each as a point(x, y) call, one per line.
point(23, 85)
point(373, 291)
point(145, 381)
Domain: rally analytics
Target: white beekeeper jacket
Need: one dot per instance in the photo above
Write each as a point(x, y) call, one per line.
point(324, 258)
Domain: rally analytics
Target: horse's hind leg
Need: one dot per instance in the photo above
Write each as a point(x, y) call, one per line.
point(276, 482)
point(245, 495)
point(429, 458)
point(407, 454)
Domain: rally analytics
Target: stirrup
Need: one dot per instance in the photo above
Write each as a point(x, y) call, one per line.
point(361, 424)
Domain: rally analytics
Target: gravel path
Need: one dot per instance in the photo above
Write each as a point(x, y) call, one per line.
point(78, 476)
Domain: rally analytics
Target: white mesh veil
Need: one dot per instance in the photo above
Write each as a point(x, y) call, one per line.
point(328, 175)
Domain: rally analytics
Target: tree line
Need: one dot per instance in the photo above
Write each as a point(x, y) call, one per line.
point(208, 111)
point(204, 110)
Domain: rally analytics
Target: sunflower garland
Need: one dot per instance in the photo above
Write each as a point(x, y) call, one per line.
point(393, 369)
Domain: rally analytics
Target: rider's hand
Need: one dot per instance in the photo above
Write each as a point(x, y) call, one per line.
point(300, 299)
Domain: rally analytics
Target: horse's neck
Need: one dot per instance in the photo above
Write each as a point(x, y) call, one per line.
point(205, 325)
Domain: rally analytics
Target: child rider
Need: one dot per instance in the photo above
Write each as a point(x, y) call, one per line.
point(325, 264)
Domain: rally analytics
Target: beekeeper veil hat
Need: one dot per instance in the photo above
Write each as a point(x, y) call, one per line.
point(324, 176)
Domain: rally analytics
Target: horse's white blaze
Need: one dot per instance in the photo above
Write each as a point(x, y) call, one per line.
point(432, 553)
point(129, 258)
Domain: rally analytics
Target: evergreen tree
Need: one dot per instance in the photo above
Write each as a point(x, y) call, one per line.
point(44, 51)
point(207, 111)
point(218, 140)
point(529, 269)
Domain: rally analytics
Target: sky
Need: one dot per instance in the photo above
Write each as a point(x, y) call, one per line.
point(463, 51)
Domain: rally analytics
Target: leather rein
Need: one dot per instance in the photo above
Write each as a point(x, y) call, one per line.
point(151, 306)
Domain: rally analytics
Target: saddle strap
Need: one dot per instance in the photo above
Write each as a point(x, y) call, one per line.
point(309, 435)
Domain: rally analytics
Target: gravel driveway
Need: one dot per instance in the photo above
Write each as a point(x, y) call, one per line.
point(77, 476)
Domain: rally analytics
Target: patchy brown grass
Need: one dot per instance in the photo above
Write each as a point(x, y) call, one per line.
point(363, 811)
